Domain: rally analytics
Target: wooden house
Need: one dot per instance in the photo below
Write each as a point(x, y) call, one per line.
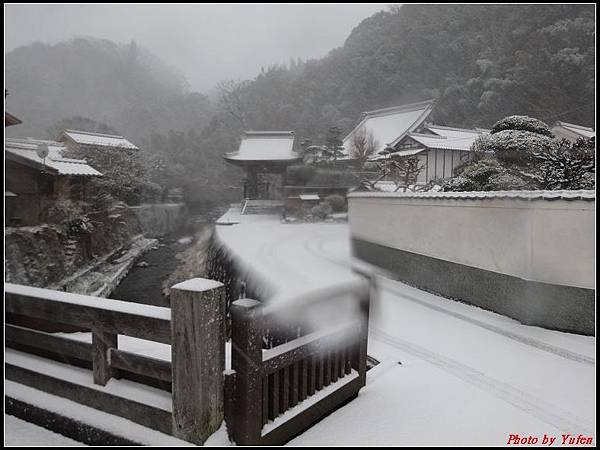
point(37, 175)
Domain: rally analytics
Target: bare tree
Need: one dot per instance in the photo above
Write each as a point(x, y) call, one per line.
point(402, 170)
point(231, 99)
point(363, 144)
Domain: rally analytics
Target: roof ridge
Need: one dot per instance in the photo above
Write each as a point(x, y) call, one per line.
point(433, 136)
point(581, 127)
point(467, 130)
point(269, 133)
point(90, 133)
point(399, 108)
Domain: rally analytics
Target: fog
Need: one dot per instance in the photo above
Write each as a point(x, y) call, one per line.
point(207, 42)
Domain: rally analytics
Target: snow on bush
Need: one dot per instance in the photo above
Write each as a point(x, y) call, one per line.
point(522, 123)
point(517, 147)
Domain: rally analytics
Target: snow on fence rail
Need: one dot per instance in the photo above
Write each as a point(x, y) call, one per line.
point(274, 393)
point(197, 405)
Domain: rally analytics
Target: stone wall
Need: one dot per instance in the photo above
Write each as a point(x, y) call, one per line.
point(45, 255)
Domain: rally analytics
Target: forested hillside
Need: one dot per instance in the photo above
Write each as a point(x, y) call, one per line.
point(482, 62)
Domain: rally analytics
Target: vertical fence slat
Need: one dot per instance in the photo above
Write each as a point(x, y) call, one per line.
point(284, 395)
point(327, 368)
point(303, 379)
point(335, 365)
point(295, 385)
point(320, 375)
point(274, 395)
point(348, 359)
point(342, 362)
point(312, 375)
point(265, 400)
point(101, 344)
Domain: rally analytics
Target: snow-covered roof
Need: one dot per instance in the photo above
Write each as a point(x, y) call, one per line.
point(448, 138)
point(411, 152)
point(309, 197)
point(389, 125)
point(25, 150)
point(580, 130)
point(588, 195)
point(103, 140)
point(265, 146)
point(9, 119)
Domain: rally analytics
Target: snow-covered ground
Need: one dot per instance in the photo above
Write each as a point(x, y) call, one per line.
point(17, 432)
point(449, 373)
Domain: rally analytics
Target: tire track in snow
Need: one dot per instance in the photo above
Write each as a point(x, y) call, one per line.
point(563, 420)
point(532, 342)
point(525, 340)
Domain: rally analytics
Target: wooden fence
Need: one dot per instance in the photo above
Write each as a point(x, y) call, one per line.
point(286, 374)
point(197, 311)
point(273, 393)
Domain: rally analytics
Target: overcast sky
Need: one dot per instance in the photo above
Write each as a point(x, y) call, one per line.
point(208, 42)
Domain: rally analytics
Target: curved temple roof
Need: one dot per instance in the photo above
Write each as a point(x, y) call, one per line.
point(265, 146)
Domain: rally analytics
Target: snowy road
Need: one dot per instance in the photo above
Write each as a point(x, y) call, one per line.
point(467, 376)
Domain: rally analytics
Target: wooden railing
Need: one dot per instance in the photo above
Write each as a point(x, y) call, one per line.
point(195, 414)
point(274, 393)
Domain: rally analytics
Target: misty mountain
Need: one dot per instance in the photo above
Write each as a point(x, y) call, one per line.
point(123, 86)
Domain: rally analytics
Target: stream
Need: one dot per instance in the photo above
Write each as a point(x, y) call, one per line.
point(144, 282)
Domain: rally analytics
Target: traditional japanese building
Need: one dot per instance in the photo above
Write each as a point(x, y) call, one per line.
point(265, 157)
point(388, 126)
point(439, 149)
point(572, 132)
point(37, 175)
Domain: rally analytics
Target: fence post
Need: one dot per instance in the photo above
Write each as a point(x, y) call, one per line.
point(101, 344)
point(246, 360)
point(197, 358)
point(360, 358)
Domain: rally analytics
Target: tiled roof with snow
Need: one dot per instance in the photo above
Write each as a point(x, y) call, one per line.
point(26, 149)
point(588, 195)
point(389, 125)
point(98, 139)
point(582, 131)
point(265, 146)
point(447, 138)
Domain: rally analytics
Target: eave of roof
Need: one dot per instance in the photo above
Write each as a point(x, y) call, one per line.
point(9, 119)
point(25, 152)
point(98, 139)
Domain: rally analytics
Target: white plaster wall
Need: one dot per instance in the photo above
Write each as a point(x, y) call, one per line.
point(540, 240)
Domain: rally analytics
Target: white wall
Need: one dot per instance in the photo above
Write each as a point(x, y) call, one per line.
point(549, 241)
point(440, 164)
